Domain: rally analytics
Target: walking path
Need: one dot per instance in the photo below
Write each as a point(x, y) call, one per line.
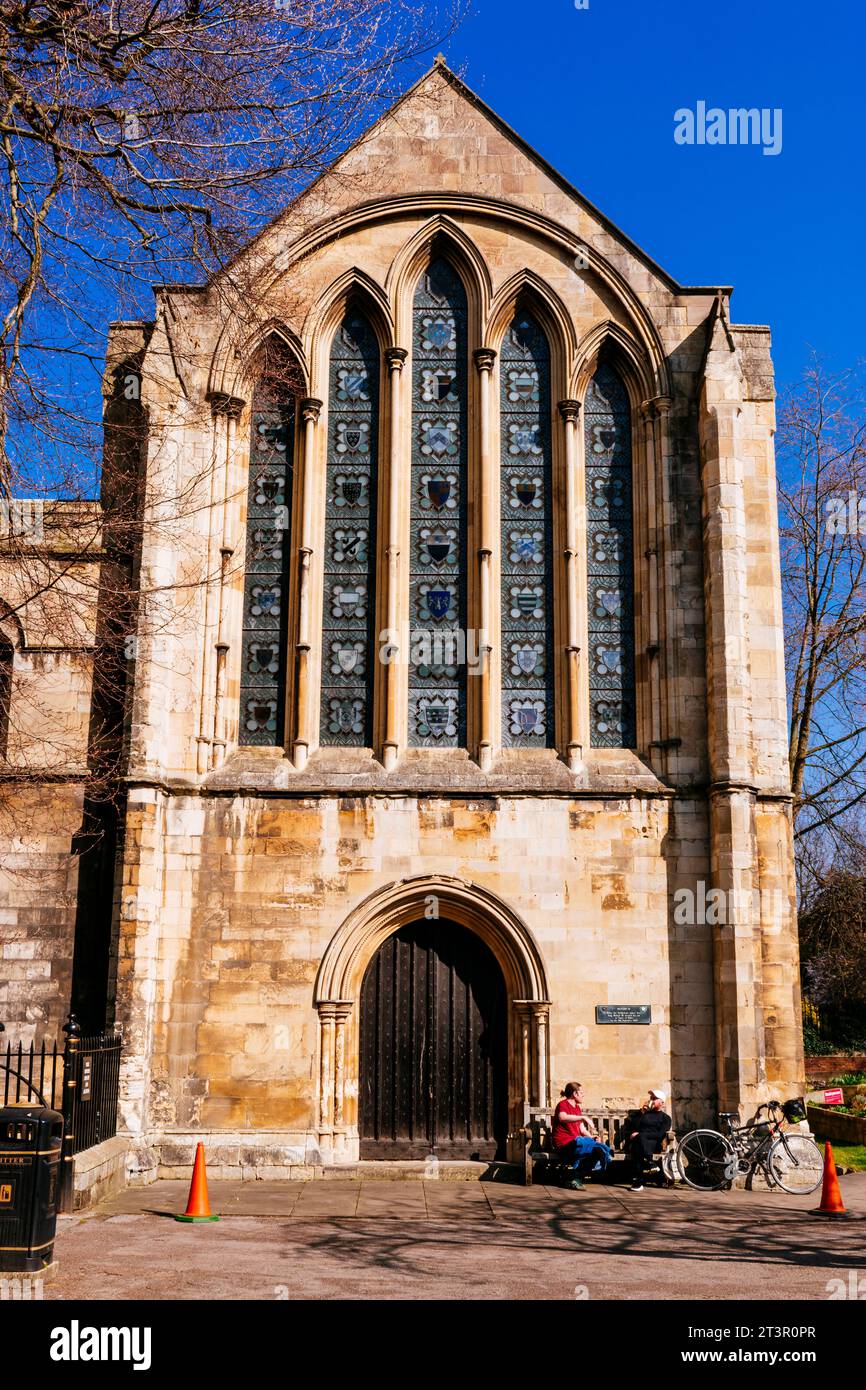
point(337, 1239)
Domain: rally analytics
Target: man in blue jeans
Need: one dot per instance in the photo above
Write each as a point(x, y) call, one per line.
point(574, 1137)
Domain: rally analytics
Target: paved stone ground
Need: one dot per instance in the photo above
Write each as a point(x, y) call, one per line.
point(468, 1240)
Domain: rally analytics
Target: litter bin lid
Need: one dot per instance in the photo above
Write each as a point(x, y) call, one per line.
point(26, 1110)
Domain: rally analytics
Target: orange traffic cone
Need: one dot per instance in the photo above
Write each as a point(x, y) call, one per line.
point(831, 1197)
point(198, 1206)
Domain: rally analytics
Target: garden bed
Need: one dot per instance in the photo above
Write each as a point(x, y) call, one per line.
point(839, 1126)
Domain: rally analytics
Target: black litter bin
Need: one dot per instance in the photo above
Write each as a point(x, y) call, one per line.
point(31, 1138)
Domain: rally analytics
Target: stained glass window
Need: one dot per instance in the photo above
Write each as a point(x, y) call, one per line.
point(348, 648)
point(269, 506)
point(610, 564)
point(527, 519)
point(437, 566)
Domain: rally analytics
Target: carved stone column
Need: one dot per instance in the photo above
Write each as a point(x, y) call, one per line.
point(394, 357)
point(541, 1015)
point(533, 1016)
point(570, 412)
point(485, 359)
point(734, 867)
point(524, 1025)
point(653, 726)
point(333, 1014)
point(231, 407)
point(310, 410)
point(211, 594)
point(342, 1010)
point(670, 611)
point(327, 1019)
point(209, 634)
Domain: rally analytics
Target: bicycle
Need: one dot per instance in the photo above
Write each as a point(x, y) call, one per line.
point(709, 1160)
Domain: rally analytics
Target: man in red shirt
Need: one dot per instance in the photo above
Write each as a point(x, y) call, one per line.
point(574, 1138)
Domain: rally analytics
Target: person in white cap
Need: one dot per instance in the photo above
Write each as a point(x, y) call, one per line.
point(647, 1131)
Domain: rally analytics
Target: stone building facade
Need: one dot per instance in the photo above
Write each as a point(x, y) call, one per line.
point(375, 893)
point(51, 563)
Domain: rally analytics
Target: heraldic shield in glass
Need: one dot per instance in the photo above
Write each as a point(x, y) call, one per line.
point(268, 537)
point(526, 506)
point(610, 563)
point(348, 615)
point(437, 567)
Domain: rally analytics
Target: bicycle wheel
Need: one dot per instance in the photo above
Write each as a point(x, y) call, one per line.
point(706, 1159)
point(796, 1163)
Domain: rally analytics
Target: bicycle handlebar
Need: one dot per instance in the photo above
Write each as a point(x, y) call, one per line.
point(772, 1107)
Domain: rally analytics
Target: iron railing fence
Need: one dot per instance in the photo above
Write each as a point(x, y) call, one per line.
point(31, 1073)
point(79, 1077)
point(94, 1065)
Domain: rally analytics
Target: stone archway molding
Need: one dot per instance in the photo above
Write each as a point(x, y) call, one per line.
point(370, 923)
point(353, 946)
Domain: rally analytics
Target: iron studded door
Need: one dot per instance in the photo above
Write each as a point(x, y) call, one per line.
point(433, 1063)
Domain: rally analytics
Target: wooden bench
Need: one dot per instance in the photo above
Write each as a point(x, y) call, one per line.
point(536, 1138)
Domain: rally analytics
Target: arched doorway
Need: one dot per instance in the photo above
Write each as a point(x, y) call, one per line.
point(433, 1047)
point(513, 956)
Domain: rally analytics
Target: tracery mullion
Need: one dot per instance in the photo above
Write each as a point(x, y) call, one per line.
point(350, 543)
point(527, 537)
point(437, 563)
point(610, 563)
point(266, 581)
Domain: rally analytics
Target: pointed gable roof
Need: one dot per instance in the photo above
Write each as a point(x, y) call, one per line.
point(451, 150)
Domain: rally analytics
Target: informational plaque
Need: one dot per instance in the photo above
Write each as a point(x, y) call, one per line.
point(623, 1013)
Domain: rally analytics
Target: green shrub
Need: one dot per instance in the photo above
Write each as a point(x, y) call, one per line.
point(814, 1045)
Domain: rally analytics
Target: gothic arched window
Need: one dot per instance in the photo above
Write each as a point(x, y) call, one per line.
point(437, 563)
point(610, 563)
point(266, 581)
point(348, 644)
point(527, 526)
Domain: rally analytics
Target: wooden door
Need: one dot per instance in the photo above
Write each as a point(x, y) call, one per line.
point(433, 1058)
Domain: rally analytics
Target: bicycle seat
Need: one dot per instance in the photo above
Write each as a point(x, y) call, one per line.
point(729, 1114)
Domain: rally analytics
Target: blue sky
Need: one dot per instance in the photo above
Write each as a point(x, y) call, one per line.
point(595, 92)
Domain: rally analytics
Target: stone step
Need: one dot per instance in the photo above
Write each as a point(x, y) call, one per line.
point(403, 1170)
point(445, 1170)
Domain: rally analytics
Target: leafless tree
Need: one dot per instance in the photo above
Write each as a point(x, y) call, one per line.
point(822, 479)
point(142, 141)
point(147, 140)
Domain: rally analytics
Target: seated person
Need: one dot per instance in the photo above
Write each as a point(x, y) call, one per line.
point(646, 1128)
point(574, 1137)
